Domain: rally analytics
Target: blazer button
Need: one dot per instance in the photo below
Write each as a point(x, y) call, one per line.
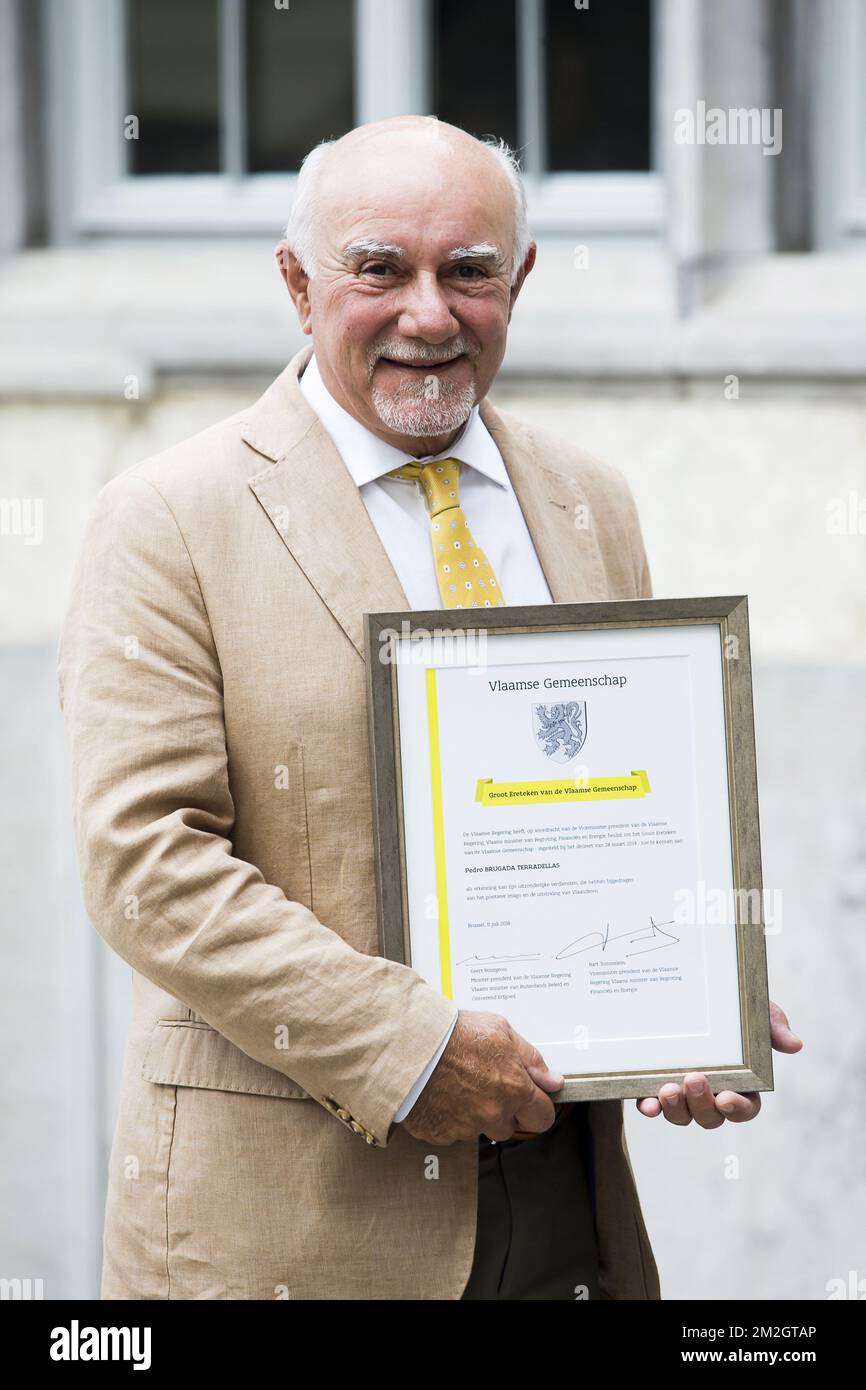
point(343, 1113)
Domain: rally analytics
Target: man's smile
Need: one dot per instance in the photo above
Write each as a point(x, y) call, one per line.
point(422, 368)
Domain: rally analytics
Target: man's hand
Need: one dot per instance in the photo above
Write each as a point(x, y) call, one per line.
point(489, 1080)
point(695, 1101)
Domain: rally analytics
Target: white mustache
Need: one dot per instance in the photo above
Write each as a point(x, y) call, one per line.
point(431, 354)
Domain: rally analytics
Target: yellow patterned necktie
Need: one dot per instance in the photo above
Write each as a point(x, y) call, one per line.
point(463, 571)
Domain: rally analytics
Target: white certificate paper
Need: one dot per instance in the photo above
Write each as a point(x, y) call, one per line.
point(565, 815)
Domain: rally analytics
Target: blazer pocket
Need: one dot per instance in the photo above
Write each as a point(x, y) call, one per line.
point(563, 491)
point(185, 1052)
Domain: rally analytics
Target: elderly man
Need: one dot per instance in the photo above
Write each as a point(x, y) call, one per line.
point(301, 1118)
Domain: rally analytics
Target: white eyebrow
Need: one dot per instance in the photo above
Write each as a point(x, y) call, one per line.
point(483, 250)
point(368, 247)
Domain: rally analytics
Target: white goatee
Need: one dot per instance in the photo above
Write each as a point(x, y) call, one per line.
point(414, 410)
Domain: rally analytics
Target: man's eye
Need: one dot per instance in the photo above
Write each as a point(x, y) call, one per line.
point(470, 272)
point(376, 268)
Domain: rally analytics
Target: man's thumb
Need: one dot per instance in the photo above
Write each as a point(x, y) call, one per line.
point(546, 1079)
point(536, 1066)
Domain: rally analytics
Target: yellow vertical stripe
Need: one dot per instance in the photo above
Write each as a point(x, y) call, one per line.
point(439, 835)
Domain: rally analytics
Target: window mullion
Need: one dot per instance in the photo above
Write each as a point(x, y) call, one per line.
point(392, 59)
point(232, 88)
point(531, 88)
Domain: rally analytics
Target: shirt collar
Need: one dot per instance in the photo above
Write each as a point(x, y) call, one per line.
point(367, 457)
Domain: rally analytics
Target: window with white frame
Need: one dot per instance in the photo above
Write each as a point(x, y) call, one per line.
point(190, 115)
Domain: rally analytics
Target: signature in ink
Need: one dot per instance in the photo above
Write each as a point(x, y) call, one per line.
point(643, 939)
point(646, 939)
point(483, 960)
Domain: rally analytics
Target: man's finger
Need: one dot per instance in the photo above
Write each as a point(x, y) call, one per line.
point(537, 1113)
point(701, 1101)
point(673, 1103)
point(535, 1110)
point(502, 1131)
point(650, 1105)
point(782, 1035)
point(737, 1108)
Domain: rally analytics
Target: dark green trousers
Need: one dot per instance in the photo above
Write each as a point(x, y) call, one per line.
point(536, 1225)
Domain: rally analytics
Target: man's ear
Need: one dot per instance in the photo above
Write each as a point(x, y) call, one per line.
point(522, 273)
point(297, 283)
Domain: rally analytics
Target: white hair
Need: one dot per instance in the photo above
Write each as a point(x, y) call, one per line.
point(301, 227)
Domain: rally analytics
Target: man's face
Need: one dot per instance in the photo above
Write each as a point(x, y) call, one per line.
point(410, 302)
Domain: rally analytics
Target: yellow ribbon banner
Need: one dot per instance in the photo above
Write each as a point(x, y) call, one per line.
point(625, 788)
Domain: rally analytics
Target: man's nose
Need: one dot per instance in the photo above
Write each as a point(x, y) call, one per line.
point(424, 311)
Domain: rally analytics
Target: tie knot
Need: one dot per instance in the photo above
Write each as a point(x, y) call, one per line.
point(440, 482)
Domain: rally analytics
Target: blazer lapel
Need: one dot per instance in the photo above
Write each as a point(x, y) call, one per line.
point(309, 495)
point(557, 514)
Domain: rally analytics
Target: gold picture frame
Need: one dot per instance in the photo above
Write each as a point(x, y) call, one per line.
point(729, 615)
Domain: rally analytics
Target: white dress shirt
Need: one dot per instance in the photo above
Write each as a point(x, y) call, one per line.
point(399, 513)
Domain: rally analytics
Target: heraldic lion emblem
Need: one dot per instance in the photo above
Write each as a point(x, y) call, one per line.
point(560, 730)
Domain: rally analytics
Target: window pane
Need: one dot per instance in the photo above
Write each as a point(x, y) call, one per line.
point(173, 69)
point(475, 66)
point(300, 79)
point(598, 85)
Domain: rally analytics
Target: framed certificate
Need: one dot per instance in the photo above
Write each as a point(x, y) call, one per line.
point(566, 825)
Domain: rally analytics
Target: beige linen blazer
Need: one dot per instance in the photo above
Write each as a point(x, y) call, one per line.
point(212, 680)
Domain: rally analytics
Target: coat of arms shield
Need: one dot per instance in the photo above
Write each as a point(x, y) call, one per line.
point(560, 730)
